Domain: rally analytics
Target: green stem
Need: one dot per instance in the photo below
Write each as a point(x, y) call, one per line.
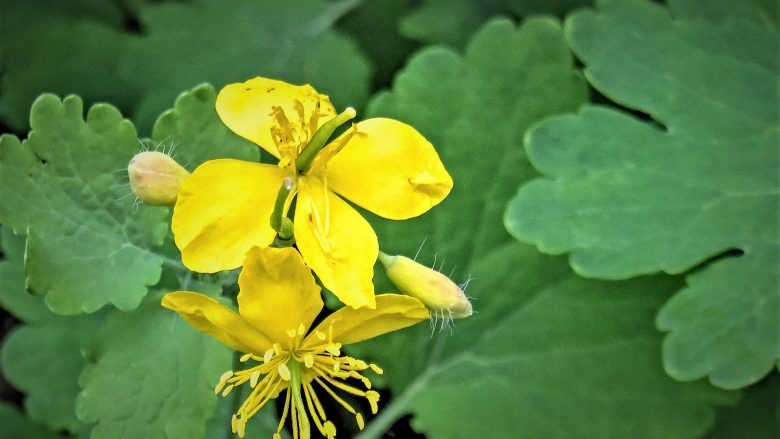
point(278, 223)
point(321, 137)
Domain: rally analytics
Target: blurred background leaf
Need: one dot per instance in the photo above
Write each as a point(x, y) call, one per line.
point(628, 197)
point(560, 350)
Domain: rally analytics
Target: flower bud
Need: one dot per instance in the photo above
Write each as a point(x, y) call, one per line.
point(155, 178)
point(435, 290)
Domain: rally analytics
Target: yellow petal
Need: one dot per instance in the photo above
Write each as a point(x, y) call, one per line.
point(223, 210)
point(211, 317)
point(277, 292)
point(390, 169)
point(392, 312)
point(336, 242)
point(246, 108)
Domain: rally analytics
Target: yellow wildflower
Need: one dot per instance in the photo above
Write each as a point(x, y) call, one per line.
point(278, 301)
point(382, 165)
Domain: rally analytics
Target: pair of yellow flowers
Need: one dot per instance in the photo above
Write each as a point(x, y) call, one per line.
point(222, 220)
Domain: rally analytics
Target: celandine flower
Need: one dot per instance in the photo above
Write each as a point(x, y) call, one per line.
point(382, 165)
point(278, 301)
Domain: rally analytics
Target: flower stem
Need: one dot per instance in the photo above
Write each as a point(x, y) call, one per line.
point(397, 408)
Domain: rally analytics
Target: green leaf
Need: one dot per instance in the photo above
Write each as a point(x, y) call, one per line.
point(16, 426)
point(479, 104)
point(757, 416)
point(763, 12)
point(571, 357)
point(289, 41)
point(44, 361)
point(628, 197)
point(151, 376)
point(86, 247)
point(39, 40)
point(13, 293)
point(574, 358)
point(195, 134)
point(452, 22)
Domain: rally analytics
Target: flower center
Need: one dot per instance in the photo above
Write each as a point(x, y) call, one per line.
point(296, 369)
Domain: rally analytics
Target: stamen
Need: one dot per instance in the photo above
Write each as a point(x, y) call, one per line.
point(316, 400)
point(378, 370)
point(320, 335)
point(336, 397)
point(373, 399)
point(269, 354)
point(291, 333)
point(253, 379)
point(330, 430)
point(359, 419)
point(284, 414)
point(311, 408)
point(244, 358)
point(284, 372)
point(301, 329)
point(227, 390)
point(234, 424)
point(308, 360)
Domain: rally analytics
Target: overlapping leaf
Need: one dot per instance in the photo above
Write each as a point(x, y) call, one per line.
point(629, 197)
point(85, 247)
point(13, 295)
point(151, 376)
point(558, 350)
point(452, 22)
point(16, 426)
point(27, 352)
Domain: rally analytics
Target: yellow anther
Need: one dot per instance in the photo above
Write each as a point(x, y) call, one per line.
point(227, 390)
point(226, 376)
point(377, 370)
point(373, 399)
point(269, 354)
point(234, 423)
point(241, 427)
point(336, 366)
point(330, 430)
point(301, 329)
point(366, 382)
point(284, 372)
point(308, 360)
point(277, 436)
point(253, 379)
point(291, 333)
point(320, 335)
point(359, 419)
point(244, 358)
point(278, 348)
point(219, 387)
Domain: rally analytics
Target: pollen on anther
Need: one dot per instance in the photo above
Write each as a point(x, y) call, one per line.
point(253, 379)
point(330, 429)
point(301, 329)
point(308, 360)
point(244, 358)
point(359, 419)
point(320, 335)
point(291, 332)
point(378, 370)
point(269, 354)
point(284, 372)
point(226, 376)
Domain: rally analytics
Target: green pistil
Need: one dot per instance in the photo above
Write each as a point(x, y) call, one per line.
point(321, 137)
point(295, 386)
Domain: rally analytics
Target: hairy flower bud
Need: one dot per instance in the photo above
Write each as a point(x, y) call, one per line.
point(435, 290)
point(155, 178)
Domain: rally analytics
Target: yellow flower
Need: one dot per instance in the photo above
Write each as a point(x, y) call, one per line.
point(278, 301)
point(382, 165)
